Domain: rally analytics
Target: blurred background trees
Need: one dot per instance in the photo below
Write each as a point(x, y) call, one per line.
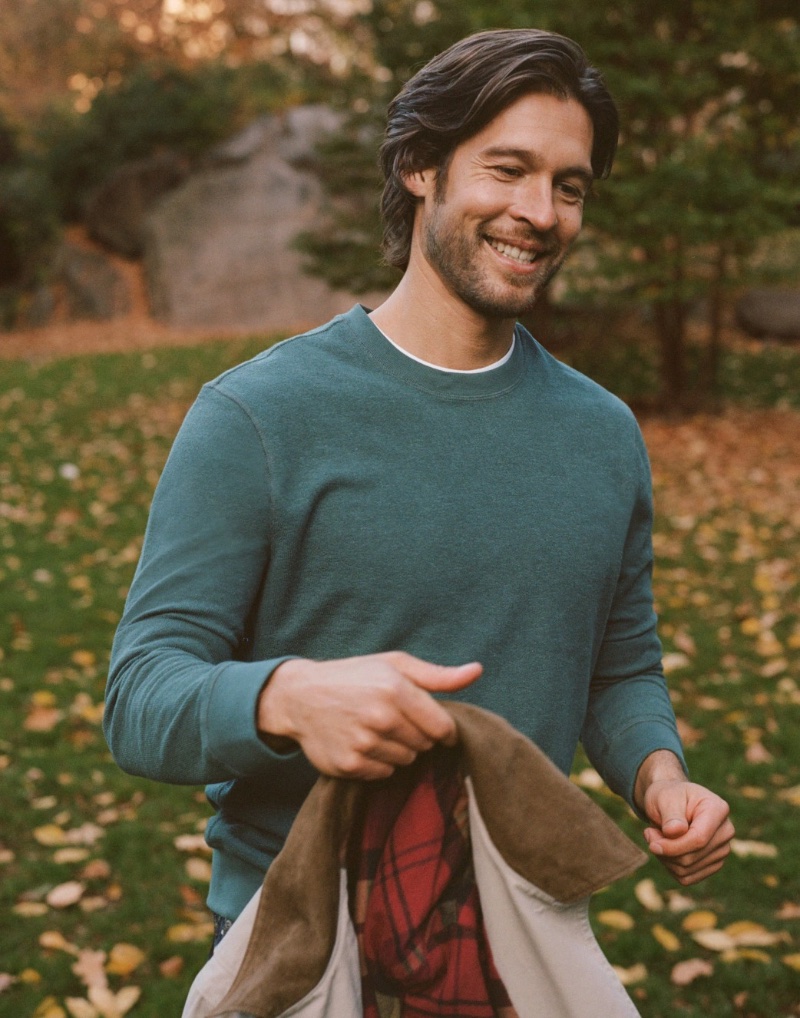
point(706, 180)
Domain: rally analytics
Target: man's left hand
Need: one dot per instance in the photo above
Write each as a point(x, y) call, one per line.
point(691, 832)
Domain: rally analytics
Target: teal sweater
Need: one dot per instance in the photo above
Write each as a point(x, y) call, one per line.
point(333, 497)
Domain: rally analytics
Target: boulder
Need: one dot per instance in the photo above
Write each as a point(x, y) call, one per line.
point(770, 313)
point(94, 286)
point(220, 248)
point(115, 213)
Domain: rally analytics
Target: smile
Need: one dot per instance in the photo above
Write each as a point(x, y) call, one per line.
point(510, 251)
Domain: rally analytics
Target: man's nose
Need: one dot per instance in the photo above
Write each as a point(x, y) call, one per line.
point(535, 203)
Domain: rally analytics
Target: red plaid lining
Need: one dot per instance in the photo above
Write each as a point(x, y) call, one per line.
point(414, 901)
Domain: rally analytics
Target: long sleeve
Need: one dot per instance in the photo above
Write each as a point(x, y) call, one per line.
point(629, 713)
point(181, 701)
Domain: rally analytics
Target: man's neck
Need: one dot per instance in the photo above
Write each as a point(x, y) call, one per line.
point(427, 321)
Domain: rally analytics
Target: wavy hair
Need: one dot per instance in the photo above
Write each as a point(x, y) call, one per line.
point(459, 92)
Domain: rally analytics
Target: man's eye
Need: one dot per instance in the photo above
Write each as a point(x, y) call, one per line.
point(572, 192)
point(511, 172)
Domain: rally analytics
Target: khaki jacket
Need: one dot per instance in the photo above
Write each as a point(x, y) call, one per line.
point(540, 849)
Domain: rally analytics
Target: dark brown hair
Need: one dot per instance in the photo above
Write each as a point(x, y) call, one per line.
point(460, 91)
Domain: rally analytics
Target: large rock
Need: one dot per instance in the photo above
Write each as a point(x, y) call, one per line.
point(115, 213)
point(770, 313)
point(94, 286)
point(219, 249)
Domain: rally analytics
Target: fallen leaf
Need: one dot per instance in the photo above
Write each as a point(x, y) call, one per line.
point(69, 856)
point(616, 919)
point(30, 976)
point(97, 869)
point(789, 910)
point(685, 972)
point(187, 933)
point(791, 795)
point(666, 938)
point(172, 967)
point(758, 849)
point(6, 981)
point(80, 1008)
point(198, 869)
point(701, 920)
point(648, 895)
point(757, 753)
point(66, 894)
point(30, 909)
point(89, 968)
point(49, 1008)
point(198, 843)
point(114, 1005)
point(124, 959)
point(714, 940)
point(42, 719)
point(54, 940)
point(50, 835)
point(792, 960)
point(750, 934)
point(634, 974)
point(674, 662)
point(745, 954)
point(93, 903)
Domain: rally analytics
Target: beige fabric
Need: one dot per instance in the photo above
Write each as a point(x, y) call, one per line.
point(541, 848)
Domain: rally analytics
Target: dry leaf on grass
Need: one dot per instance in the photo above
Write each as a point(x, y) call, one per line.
point(124, 959)
point(66, 894)
point(114, 1005)
point(616, 919)
point(634, 974)
point(54, 940)
point(757, 849)
point(666, 938)
point(685, 972)
point(647, 895)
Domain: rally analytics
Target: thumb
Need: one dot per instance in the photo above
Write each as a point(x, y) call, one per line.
point(438, 678)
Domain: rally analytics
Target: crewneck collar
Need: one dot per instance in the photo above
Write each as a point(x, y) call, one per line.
point(499, 378)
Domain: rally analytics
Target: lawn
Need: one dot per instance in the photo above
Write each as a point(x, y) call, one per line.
point(103, 875)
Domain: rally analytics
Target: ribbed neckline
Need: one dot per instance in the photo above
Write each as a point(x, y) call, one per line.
point(453, 385)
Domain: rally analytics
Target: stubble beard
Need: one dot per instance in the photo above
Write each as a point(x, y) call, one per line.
point(455, 257)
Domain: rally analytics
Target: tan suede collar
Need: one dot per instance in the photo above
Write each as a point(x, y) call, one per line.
point(545, 828)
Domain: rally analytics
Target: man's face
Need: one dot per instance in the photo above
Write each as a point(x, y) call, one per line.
point(496, 225)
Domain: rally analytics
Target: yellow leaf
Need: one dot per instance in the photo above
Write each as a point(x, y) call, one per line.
point(30, 976)
point(751, 627)
point(49, 1008)
point(616, 919)
point(50, 835)
point(124, 959)
point(30, 909)
point(666, 938)
point(70, 855)
point(634, 974)
point(186, 933)
point(686, 972)
point(792, 960)
point(54, 940)
point(749, 934)
point(745, 954)
point(791, 795)
point(702, 920)
point(198, 843)
point(83, 658)
point(44, 698)
point(648, 896)
point(114, 1005)
point(714, 940)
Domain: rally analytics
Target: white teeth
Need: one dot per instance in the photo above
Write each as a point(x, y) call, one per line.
point(526, 257)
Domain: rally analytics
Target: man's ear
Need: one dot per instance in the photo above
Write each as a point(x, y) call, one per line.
point(419, 183)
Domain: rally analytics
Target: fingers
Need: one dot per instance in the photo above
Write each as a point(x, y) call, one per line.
point(435, 678)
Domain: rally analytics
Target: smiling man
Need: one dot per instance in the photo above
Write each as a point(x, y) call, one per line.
point(415, 501)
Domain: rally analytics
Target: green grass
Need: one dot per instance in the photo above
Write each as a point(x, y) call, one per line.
point(82, 444)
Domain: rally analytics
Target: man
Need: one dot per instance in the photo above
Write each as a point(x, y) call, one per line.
point(413, 501)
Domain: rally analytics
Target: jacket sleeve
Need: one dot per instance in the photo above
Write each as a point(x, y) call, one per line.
point(629, 713)
point(180, 707)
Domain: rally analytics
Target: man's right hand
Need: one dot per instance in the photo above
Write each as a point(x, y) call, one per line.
point(361, 717)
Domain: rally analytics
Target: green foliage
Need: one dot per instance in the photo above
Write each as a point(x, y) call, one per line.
point(158, 106)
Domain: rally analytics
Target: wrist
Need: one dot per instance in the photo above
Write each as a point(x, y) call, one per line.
point(273, 710)
point(661, 765)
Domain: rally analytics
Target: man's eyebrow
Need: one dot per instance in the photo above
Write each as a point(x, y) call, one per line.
point(580, 171)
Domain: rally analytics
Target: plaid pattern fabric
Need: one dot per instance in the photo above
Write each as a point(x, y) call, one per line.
point(414, 901)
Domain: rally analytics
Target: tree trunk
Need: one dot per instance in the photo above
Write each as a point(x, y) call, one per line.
point(714, 349)
point(671, 329)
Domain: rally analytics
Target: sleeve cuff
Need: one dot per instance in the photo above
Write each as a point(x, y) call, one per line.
point(230, 722)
